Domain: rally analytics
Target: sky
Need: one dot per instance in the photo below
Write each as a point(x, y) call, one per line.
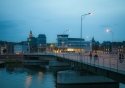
point(52, 17)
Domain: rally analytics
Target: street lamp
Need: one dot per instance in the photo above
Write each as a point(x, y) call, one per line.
point(65, 31)
point(112, 36)
point(82, 16)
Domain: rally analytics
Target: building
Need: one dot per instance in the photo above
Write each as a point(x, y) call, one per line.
point(37, 44)
point(1, 49)
point(10, 48)
point(2, 46)
point(41, 39)
point(41, 42)
point(51, 47)
point(96, 46)
point(65, 44)
point(62, 42)
point(21, 49)
point(107, 47)
point(32, 43)
point(118, 47)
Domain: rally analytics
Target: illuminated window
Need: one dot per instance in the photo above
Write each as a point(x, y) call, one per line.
point(29, 39)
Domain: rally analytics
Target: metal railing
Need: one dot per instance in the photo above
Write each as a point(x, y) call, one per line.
point(108, 62)
point(105, 61)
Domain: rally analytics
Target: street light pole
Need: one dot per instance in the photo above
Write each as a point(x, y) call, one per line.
point(82, 16)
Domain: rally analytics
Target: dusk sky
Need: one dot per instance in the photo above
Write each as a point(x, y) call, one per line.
point(52, 17)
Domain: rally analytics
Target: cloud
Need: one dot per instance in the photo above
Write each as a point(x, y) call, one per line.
point(105, 26)
point(8, 24)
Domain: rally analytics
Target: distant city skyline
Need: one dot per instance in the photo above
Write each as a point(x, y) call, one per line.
point(53, 17)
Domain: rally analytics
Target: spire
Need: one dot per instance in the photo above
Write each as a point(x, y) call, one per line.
point(93, 40)
point(30, 34)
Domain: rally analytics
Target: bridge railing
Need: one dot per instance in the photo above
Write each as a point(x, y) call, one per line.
point(107, 62)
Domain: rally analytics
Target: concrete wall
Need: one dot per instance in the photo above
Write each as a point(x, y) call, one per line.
point(74, 77)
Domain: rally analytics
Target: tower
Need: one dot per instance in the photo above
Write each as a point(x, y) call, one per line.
point(30, 35)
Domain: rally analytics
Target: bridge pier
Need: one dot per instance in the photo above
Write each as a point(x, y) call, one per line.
point(98, 70)
point(115, 74)
point(78, 77)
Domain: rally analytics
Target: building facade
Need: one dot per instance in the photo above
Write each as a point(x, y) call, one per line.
point(41, 42)
point(10, 48)
point(65, 44)
point(21, 49)
point(108, 47)
point(37, 44)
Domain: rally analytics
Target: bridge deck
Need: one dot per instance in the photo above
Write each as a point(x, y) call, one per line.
point(105, 62)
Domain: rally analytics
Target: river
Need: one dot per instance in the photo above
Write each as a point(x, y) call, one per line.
point(25, 76)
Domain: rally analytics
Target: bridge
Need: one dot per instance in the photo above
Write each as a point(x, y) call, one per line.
point(106, 65)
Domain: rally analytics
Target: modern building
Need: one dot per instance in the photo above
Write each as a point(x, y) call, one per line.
point(41, 42)
point(62, 42)
point(65, 44)
point(41, 39)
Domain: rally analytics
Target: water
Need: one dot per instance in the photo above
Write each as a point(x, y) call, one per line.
point(26, 77)
point(20, 76)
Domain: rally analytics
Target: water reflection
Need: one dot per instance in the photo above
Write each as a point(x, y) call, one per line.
point(40, 74)
point(28, 81)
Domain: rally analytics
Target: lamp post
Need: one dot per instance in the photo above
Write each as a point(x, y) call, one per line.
point(63, 39)
point(82, 16)
point(112, 37)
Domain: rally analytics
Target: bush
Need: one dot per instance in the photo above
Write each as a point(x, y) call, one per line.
point(13, 61)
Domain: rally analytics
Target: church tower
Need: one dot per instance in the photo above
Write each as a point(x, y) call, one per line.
point(30, 35)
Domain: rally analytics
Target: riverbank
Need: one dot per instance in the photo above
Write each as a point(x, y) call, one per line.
point(11, 61)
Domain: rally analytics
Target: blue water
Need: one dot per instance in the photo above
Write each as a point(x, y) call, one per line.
point(21, 76)
point(26, 78)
